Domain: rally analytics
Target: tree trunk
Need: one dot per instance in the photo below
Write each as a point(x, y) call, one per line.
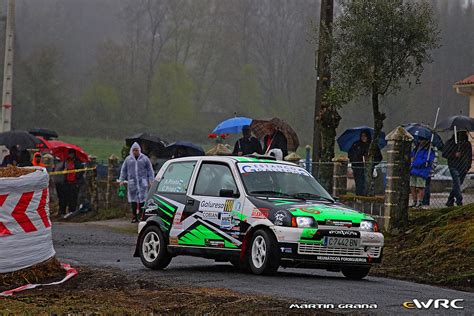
point(323, 81)
point(379, 117)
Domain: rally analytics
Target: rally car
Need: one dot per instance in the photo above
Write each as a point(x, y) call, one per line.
point(258, 214)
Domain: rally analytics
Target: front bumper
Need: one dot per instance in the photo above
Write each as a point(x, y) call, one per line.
point(307, 245)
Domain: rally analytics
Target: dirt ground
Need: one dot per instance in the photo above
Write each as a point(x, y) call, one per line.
point(111, 291)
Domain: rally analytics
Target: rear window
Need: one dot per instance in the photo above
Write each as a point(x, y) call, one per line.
point(176, 177)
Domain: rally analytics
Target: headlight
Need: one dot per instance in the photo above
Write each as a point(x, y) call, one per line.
point(304, 221)
point(370, 226)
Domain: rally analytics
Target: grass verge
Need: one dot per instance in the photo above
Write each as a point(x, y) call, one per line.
point(437, 248)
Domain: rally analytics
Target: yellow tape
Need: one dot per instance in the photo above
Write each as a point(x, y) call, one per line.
point(53, 173)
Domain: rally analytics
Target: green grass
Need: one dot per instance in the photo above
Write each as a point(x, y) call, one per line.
point(102, 148)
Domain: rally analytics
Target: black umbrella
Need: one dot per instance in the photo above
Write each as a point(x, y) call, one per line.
point(43, 132)
point(461, 122)
point(21, 138)
point(183, 149)
point(153, 142)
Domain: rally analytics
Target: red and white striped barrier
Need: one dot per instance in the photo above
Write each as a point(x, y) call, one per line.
point(70, 272)
point(25, 228)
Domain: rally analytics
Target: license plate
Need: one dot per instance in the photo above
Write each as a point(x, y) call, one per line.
point(338, 242)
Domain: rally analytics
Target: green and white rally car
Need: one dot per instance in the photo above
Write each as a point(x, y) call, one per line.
point(259, 214)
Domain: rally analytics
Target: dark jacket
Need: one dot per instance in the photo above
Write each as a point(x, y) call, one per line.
point(360, 151)
point(278, 140)
point(422, 164)
point(11, 159)
point(247, 146)
point(461, 163)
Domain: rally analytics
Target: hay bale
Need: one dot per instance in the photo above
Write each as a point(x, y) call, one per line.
point(13, 172)
point(49, 270)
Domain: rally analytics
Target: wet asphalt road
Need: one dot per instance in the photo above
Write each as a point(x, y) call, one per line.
point(92, 245)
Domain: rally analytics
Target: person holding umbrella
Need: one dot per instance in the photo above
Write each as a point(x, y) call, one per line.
point(13, 158)
point(458, 151)
point(422, 163)
point(248, 144)
point(358, 156)
point(274, 139)
point(138, 172)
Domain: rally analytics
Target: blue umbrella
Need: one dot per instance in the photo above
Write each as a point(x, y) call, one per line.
point(351, 135)
point(183, 149)
point(232, 126)
point(420, 131)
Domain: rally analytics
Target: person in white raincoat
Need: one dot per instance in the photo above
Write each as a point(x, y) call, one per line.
point(138, 172)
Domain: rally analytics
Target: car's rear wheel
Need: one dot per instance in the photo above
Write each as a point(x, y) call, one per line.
point(263, 256)
point(152, 247)
point(356, 273)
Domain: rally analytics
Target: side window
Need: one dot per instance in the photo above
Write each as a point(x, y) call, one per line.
point(212, 178)
point(176, 177)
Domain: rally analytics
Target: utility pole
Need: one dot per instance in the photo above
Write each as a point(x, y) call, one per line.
point(323, 75)
point(6, 119)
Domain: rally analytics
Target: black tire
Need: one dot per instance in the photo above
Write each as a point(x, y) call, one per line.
point(356, 273)
point(157, 257)
point(270, 261)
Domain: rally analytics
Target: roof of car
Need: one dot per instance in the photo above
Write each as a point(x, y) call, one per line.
point(230, 159)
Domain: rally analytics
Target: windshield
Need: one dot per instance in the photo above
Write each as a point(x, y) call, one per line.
point(273, 179)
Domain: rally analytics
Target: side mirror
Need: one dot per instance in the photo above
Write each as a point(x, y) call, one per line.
point(228, 193)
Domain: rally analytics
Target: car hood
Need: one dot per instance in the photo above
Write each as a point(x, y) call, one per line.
point(323, 212)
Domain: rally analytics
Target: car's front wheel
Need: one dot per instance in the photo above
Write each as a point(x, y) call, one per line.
point(356, 273)
point(153, 252)
point(263, 254)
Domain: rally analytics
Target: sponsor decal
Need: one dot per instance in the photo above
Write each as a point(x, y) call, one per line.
point(210, 215)
point(338, 223)
point(271, 167)
point(279, 218)
point(334, 306)
point(151, 206)
point(173, 240)
point(311, 210)
point(177, 218)
point(214, 243)
point(433, 303)
point(228, 205)
point(209, 205)
point(261, 213)
point(348, 233)
point(237, 206)
point(286, 250)
point(226, 221)
point(341, 259)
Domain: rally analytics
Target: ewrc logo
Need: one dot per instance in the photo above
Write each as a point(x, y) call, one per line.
point(436, 304)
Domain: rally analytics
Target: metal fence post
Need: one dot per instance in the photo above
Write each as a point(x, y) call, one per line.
point(94, 184)
point(111, 178)
point(398, 180)
point(308, 158)
point(340, 176)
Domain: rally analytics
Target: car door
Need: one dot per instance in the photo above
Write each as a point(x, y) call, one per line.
point(211, 211)
point(167, 198)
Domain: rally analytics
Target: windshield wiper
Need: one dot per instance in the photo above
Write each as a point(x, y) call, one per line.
point(269, 192)
point(303, 195)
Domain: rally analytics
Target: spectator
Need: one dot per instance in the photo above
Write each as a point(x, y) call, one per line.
point(138, 172)
point(13, 158)
point(427, 194)
point(459, 155)
point(248, 144)
point(421, 166)
point(274, 139)
point(358, 155)
point(68, 188)
point(37, 160)
point(25, 158)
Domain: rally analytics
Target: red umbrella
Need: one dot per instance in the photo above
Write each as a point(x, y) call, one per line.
point(60, 149)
